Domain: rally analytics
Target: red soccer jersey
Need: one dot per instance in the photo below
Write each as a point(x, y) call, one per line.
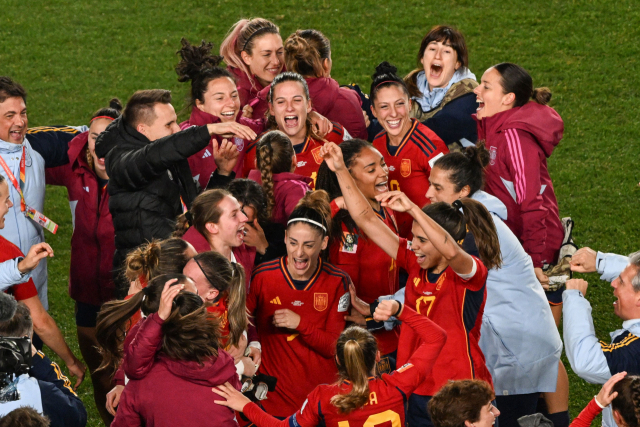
point(308, 156)
point(303, 358)
point(373, 272)
point(387, 394)
point(20, 291)
point(410, 166)
point(456, 305)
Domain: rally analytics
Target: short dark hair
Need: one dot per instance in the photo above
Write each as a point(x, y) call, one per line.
point(10, 89)
point(19, 325)
point(459, 401)
point(139, 108)
point(515, 79)
point(24, 416)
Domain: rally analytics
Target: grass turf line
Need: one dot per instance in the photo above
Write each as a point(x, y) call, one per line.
point(73, 56)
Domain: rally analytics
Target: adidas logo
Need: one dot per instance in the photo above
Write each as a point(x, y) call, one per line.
point(276, 301)
point(206, 154)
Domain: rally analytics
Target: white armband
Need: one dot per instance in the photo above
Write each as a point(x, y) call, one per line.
point(473, 271)
point(255, 344)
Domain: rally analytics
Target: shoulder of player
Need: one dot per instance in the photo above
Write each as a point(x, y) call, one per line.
point(424, 139)
point(337, 133)
point(252, 144)
point(266, 267)
point(380, 138)
point(336, 272)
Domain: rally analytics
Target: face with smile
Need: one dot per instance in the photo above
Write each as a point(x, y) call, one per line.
point(5, 201)
point(488, 415)
point(391, 107)
point(164, 124)
point(441, 189)
point(230, 227)
point(426, 254)
point(440, 62)
point(266, 59)
point(13, 120)
point(221, 99)
point(290, 107)
point(371, 174)
point(97, 127)
point(490, 95)
point(627, 303)
point(304, 244)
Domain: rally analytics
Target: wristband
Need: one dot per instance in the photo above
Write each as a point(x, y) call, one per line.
point(399, 309)
point(595, 398)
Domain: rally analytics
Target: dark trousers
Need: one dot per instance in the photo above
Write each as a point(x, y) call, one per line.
point(513, 407)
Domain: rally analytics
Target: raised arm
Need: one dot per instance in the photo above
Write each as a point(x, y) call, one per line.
point(357, 205)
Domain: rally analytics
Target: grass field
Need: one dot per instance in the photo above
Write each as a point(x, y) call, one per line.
point(73, 56)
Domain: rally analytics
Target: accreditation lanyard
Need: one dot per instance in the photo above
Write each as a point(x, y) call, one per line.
point(28, 211)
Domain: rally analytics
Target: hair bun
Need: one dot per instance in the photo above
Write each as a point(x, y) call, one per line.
point(296, 46)
point(385, 68)
point(116, 104)
point(542, 95)
point(195, 59)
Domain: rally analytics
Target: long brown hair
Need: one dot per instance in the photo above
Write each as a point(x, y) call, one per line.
point(190, 333)
point(204, 210)
point(627, 403)
point(288, 76)
point(229, 279)
point(474, 216)
point(356, 352)
point(305, 52)
point(114, 318)
point(274, 154)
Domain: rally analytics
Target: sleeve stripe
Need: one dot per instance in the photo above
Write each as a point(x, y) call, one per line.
point(513, 141)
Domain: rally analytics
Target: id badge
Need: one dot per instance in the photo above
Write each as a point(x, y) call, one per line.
point(41, 219)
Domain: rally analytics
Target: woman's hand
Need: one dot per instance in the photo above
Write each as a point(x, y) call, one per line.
point(367, 122)
point(332, 155)
point(255, 355)
point(320, 123)
point(113, 398)
point(247, 112)
point(286, 318)
point(166, 298)
point(360, 306)
point(254, 236)
point(542, 278)
point(385, 310)
point(249, 367)
point(605, 397)
point(356, 317)
point(36, 253)
point(237, 352)
point(226, 156)
point(396, 200)
point(233, 398)
point(229, 129)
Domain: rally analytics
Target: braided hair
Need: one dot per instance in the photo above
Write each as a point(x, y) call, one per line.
point(274, 154)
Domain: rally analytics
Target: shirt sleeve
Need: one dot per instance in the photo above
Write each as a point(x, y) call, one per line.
point(140, 353)
point(10, 275)
point(305, 417)
point(523, 161)
point(588, 414)
point(610, 265)
point(52, 142)
point(582, 347)
point(23, 291)
point(432, 339)
point(404, 257)
point(478, 280)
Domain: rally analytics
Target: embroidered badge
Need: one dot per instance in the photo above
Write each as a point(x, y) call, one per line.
point(320, 301)
point(405, 168)
point(493, 153)
point(316, 155)
point(239, 143)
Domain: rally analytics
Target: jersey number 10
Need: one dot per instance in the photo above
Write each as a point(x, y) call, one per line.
point(387, 416)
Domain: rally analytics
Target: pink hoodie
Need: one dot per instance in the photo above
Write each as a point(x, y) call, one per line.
point(520, 140)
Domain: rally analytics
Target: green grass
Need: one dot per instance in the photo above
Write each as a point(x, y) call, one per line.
point(73, 56)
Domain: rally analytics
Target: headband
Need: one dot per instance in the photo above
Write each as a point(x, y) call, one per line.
point(258, 31)
point(310, 221)
point(101, 117)
point(386, 81)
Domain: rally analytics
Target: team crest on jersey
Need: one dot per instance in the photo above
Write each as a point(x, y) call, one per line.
point(350, 243)
point(383, 366)
point(493, 153)
point(405, 168)
point(320, 301)
point(316, 155)
point(440, 281)
point(239, 143)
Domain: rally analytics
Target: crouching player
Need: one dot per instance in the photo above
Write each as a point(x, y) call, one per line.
point(359, 398)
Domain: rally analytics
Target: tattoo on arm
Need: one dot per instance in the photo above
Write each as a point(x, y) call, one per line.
point(446, 239)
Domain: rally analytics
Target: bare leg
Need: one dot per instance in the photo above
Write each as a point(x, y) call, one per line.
point(101, 381)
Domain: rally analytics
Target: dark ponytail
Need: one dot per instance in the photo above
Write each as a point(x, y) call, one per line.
point(466, 168)
point(385, 76)
point(113, 320)
point(515, 79)
point(477, 219)
point(627, 403)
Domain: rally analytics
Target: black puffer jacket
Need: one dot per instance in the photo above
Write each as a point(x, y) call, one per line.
point(147, 180)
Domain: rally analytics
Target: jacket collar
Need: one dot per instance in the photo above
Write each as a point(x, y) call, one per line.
point(10, 147)
point(200, 118)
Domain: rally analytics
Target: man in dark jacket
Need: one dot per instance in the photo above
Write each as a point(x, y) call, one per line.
point(150, 181)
